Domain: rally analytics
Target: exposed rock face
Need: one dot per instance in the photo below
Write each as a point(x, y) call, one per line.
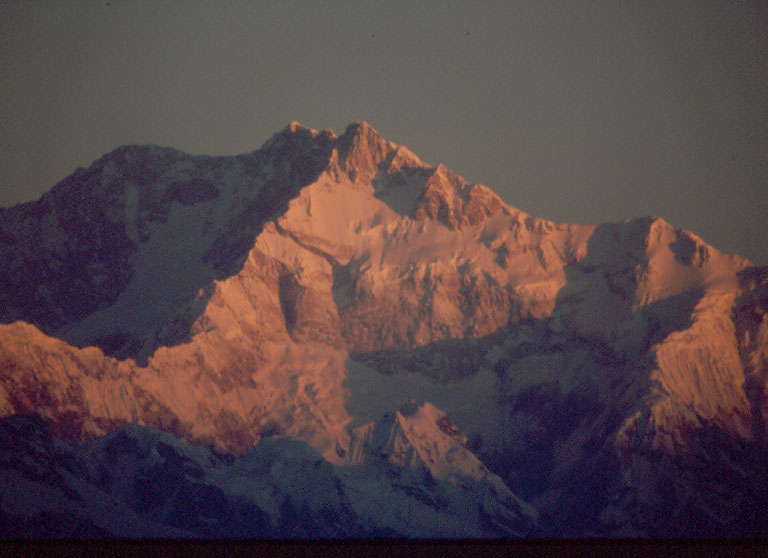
point(339, 291)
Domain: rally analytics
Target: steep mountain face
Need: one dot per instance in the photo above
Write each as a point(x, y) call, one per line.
point(335, 294)
point(91, 261)
point(140, 483)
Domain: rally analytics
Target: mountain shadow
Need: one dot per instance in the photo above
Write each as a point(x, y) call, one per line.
point(566, 389)
point(142, 228)
point(749, 316)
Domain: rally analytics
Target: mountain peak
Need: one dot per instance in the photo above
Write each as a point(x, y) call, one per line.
point(360, 133)
point(363, 152)
point(294, 134)
point(294, 126)
point(336, 292)
point(360, 128)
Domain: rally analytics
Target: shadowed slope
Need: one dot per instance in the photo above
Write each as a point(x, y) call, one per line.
point(125, 254)
point(312, 287)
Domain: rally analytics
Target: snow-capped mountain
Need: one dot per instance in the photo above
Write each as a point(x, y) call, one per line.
point(456, 366)
point(137, 482)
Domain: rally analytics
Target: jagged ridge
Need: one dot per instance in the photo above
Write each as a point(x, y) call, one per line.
point(323, 281)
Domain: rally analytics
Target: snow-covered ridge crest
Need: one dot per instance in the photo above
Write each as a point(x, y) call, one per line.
point(101, 275)
point(312, 289)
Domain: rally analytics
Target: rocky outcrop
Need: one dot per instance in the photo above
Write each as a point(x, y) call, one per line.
point(316, 287)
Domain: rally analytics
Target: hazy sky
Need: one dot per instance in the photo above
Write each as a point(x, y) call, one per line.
point(572, 111)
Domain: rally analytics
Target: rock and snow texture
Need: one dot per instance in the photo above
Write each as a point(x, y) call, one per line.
point(138, 483)
point(338, 291)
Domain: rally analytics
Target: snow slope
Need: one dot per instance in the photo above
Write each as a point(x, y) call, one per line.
point(138, 483)
point(338, 291)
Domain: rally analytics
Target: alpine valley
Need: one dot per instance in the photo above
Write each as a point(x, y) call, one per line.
point(329, 338)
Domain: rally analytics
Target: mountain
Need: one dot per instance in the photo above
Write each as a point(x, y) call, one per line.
point(331, 323)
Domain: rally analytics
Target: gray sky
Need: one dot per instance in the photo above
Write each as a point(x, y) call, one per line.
point(580, 112)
